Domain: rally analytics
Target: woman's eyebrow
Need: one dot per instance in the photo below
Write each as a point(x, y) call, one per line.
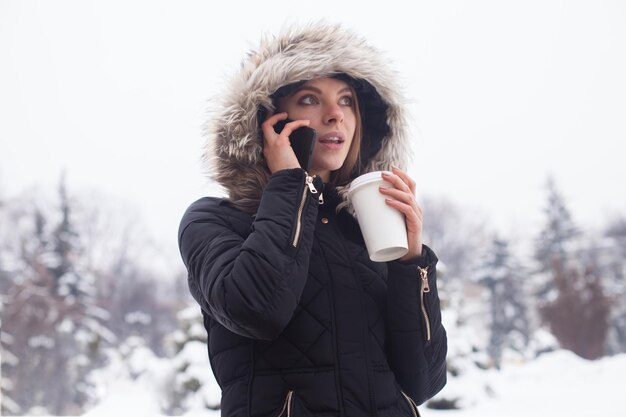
point(318, 91)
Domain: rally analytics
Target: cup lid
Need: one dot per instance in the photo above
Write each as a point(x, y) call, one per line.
point(365, 179)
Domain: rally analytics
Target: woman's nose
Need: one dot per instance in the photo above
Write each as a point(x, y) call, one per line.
point(333, 114)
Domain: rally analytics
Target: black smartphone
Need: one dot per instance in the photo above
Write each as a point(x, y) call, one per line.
point(302, 141)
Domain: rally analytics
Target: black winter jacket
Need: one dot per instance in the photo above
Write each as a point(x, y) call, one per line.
point(300, 322)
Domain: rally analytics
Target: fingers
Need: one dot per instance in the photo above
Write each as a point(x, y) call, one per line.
point(414, 216)
point(400, 180)
point(402, 198)
point(403, 191)
point(276, 146)
point(268, 126)
point(399, 195)
point(291, 126)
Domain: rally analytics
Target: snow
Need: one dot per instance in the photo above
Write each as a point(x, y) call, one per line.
point(555, 384)
point(126, 398)
point(138, 317)
point(197, 331)
point(41, 341)
point(95, 311)
point(66, 326)
point(132, 383)
point(194, 356)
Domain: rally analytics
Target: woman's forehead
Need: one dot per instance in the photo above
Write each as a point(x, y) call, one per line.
point(326, 82)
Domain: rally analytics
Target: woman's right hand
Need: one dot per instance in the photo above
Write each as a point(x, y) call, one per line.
point(277, 149)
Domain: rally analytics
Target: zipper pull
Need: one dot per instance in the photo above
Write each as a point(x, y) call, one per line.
point(424, 275)
point(321, 199)
point(309, 183)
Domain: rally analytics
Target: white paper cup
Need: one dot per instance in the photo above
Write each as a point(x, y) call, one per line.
point(383, 227)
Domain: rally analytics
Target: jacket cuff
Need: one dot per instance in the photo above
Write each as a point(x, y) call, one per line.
point(290, 172)
point(427, 258)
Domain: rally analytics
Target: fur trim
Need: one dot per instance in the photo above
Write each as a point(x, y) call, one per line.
point(233, 153)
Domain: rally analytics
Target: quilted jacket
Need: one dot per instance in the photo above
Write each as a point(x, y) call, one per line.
point(300, 321)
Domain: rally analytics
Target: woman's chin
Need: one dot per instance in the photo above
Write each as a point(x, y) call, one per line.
point(329, 166)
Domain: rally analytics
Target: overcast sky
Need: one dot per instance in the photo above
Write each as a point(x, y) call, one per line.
point(502, 93)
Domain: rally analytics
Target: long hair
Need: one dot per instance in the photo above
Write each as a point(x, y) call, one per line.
point(344, 174)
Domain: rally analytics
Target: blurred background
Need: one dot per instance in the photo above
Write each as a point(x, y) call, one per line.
point(517, 117)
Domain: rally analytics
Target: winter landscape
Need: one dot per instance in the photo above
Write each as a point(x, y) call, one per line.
point(519, 135)
point(82, 304)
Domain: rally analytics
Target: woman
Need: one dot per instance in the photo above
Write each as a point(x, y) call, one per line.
point(300, 321)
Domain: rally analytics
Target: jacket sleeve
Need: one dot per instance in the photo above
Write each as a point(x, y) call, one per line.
point(252, 285)
point(417, 345)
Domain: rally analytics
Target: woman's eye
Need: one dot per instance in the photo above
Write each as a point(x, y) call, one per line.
point(346, 100)
point(308, 99)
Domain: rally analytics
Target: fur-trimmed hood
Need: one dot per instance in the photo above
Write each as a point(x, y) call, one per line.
point(233, 152)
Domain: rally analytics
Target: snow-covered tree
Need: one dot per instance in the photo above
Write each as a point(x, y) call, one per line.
point(503, 277)
point(578, 317)
point(177, 384)
point(8, 360)
point(134, 381)
point(614, 249)
point(571, 292)
point(556, 241)
point(131, 295)
point(76, 280)
point(57, 328)
point(194, 385)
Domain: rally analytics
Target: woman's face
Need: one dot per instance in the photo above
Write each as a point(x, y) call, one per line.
point(329, 104)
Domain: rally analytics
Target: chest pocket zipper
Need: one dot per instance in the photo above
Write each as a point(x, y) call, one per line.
point(412, 404)
point(308, 183)
point(287, 405)
point(424, 288)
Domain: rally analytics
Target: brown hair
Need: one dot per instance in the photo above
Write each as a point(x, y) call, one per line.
point(343, 175)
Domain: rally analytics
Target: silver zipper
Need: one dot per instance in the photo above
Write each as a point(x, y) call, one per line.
point(309, 184)
point(412, 404)
point(287, 405)
point(425, 288)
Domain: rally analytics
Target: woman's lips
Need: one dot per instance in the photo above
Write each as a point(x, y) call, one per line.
point(332, 140)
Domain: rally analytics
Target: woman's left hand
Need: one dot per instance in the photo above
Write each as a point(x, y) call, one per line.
point(402, 197)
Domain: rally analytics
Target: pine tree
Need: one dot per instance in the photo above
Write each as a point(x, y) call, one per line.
point(504, 279)
point(195, 387)
point(571, 294)
point(84, 320)
point(8, 360)
point(57, 326)
point(29, 308)
point(578, 317)
point(615, 250)
point(558, 236)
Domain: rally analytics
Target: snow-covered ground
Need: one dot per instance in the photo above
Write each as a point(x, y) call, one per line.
point(555, 384)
